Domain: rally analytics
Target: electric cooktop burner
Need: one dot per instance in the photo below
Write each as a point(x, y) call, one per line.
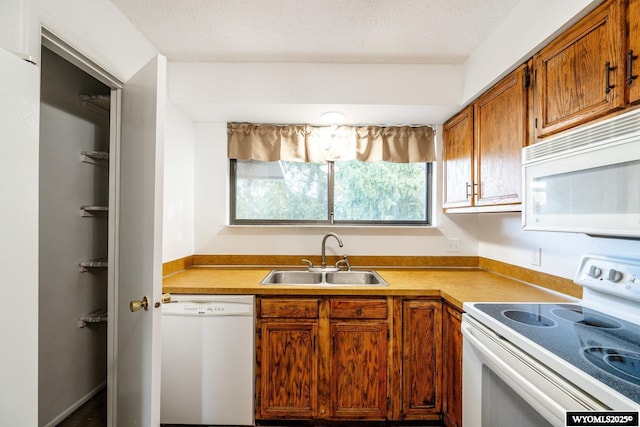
point(529, 318)
point(575, 313)
point(622, 363)
point(602, 346)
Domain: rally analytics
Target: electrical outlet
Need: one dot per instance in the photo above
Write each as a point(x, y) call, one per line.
point(454, 245)
point(536, 256)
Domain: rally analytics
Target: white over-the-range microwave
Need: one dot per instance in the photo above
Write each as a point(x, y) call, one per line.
point(586, 180)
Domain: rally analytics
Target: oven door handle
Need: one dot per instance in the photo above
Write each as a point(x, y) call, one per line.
point(515, 380)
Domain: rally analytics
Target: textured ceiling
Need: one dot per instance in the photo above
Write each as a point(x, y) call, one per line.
point(338, 31)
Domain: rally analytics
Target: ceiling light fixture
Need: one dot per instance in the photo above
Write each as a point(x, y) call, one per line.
point(332, 117)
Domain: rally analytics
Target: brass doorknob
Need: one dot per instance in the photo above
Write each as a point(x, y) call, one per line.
point(136, 305)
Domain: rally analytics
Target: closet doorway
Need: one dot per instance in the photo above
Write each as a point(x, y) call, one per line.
point(76, 286)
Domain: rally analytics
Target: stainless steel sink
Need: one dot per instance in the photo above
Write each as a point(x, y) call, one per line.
point(292, 278)
point(354, 278)
point(328, 278)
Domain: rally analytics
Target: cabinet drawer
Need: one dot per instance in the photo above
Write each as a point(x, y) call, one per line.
point(354, 308)
point(299, 308)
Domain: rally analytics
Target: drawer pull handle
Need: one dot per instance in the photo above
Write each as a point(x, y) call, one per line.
point(607, 70)
point(359, 311)
point(630, 58)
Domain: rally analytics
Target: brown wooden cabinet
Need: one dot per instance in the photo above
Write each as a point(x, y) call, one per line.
point(359, 355)
point(421, 357)
point(501, 129)
point(457, 154)
point(482, 147)
point(288, 358)
point(580, 75)
point(452, 364)
point(322, 358)
point(633, 51)
point(349, 358)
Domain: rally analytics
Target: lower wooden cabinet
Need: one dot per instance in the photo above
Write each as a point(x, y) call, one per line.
point(452, 363)
point(421, 359)
point(290, 374)
point(287, 353)
point(359, 370)
point(349, 358)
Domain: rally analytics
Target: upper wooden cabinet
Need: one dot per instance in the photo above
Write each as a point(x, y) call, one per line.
point(500, 122)
point(588, 72)
point(457, 154)
point(633, 51)
point(482, 146)
point(580, 75)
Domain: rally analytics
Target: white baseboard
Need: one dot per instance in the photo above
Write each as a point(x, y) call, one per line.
point(84, 399)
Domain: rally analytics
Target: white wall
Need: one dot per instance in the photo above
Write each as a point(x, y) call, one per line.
point(502, 238)
point(14, 26)
point(213, 236)
point(96, 28)
point(300, 92)
point(179, 175)
point(531, 25)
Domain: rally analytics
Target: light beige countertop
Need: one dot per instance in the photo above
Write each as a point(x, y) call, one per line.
point(454, 285)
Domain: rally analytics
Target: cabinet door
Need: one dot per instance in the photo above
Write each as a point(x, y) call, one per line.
point(580, 75)
point(288, 370)
point(421, 357)
point(633, 54)
point(358, 379)
point(452, 360)
point(457, 152)
point(500, 131)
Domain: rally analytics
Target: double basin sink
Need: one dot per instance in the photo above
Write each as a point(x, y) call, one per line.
point(324, 278)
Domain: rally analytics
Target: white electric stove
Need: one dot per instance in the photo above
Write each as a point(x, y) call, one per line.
point(530, 364)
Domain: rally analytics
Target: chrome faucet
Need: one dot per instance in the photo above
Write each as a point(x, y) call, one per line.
point(323, 260)
point(345, 261)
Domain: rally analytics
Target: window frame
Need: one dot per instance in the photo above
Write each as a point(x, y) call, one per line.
point(330, 221)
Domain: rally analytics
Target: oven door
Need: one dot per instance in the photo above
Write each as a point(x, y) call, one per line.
point(504, 386)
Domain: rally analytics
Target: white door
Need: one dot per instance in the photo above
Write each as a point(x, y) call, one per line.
point(19, 118)
point(138, 247)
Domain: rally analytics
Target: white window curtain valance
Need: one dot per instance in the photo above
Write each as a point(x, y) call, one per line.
point(306, 143)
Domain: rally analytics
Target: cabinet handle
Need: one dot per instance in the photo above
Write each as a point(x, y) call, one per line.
point(607, 71)
point(467, 195)
point(333, 344)
point(359, 311)
point(630, 58)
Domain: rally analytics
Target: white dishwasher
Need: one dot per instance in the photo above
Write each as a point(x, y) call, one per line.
point(207, 360)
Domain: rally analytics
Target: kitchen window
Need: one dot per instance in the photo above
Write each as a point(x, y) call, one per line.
point(320, 176)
